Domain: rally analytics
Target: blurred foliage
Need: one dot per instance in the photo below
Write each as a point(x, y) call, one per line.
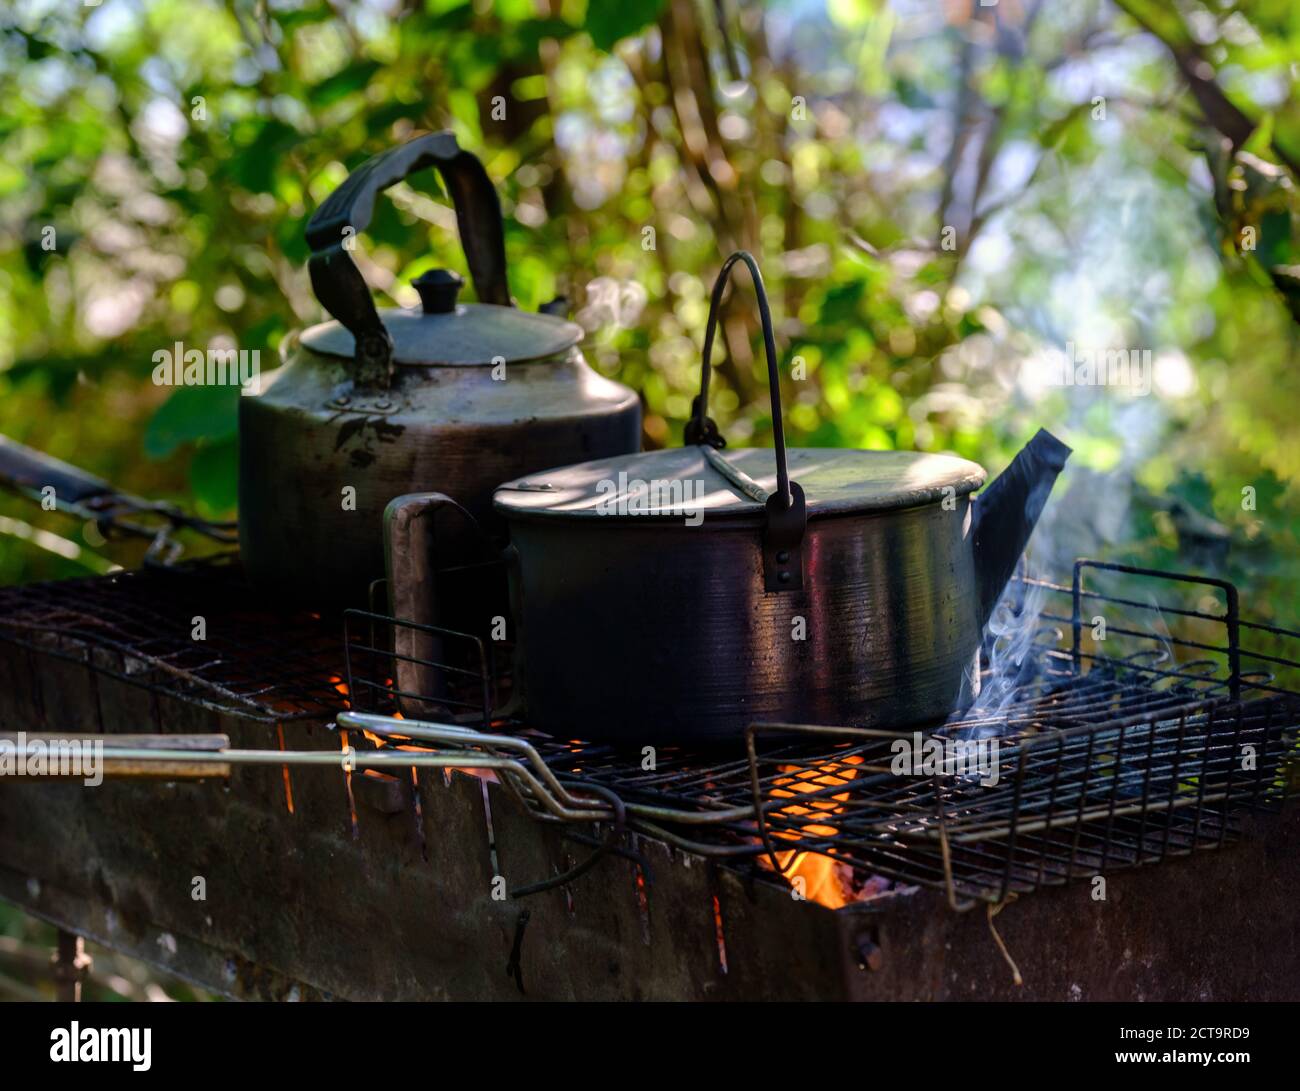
point(937, 194)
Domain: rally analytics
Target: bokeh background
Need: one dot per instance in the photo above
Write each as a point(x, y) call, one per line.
point(941, 193)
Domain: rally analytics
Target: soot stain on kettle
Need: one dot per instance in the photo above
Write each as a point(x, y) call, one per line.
point(366, 431)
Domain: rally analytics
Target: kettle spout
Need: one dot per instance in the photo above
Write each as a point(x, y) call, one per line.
point(1004, 515)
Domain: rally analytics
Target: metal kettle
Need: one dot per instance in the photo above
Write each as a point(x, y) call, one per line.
point(454, 397)
point(700, 589)
point(677, 596)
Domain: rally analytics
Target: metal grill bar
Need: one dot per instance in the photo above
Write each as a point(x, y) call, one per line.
point(1110, 753)
point(140, 628)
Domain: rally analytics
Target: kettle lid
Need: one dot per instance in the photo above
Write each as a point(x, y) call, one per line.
point(656, 483)
point(464, 335)
point(442, 332)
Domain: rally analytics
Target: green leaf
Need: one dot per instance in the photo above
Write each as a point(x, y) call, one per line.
point(37, 48)
point(528, 37)
point(610, 21)
point(214, 476)
point(291, 20)
point(192, 413)
point(338, 86)
point(255, 165)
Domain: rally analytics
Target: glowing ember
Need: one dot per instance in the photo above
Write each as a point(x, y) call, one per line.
point(288, 783)
point(347, 779)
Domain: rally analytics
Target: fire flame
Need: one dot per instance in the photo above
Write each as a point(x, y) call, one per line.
point(284, 769)
point(816, 876)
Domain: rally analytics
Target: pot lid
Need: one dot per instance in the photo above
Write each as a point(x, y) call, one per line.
point(833, 480)
point(443, 331)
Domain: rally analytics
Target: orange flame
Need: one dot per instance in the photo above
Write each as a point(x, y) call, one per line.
point(337, 682)
point(347, 780)
point(816, 876)
point(288, 782)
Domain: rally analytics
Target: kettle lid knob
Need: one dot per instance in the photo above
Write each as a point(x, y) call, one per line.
point(438, 289)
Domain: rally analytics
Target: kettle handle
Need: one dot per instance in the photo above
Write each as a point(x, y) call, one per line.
point(412, 579)
point(787, 515)
point(338, 282)
point(420, 643)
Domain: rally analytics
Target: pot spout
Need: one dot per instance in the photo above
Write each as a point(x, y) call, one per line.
point(1004, 515)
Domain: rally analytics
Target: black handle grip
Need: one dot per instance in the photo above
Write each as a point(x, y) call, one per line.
point(337, 281)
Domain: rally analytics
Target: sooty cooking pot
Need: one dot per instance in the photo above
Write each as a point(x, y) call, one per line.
point(454, 396)
point(680, 595)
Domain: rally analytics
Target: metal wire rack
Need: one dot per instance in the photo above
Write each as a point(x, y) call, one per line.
point(1123, 744)
point(1104, 738)
point(196, 632)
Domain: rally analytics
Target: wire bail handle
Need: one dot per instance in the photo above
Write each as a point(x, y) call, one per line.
point(786, 509)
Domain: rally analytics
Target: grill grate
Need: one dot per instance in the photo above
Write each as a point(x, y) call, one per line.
point(1173, 775)
point(138, 627)
point(1112, 751)
point(1120, 740)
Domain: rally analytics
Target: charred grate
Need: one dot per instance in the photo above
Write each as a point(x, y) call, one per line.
point(1123, 740)
point(1130, 729)
point(139, 627)
point(1064, 804)
point(1068, 802)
